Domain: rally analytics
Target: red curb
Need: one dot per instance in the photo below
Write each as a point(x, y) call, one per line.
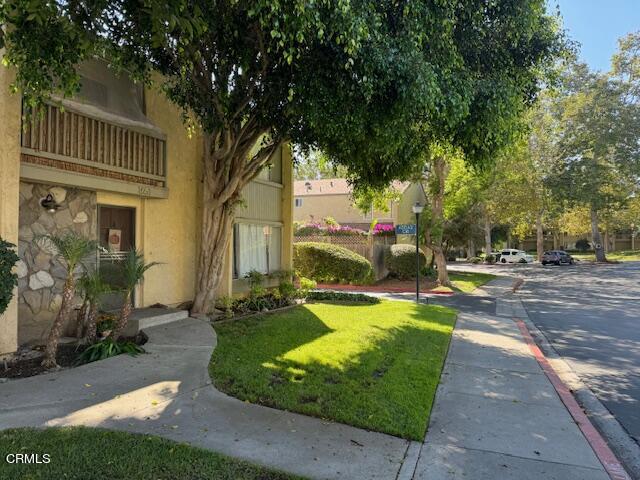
point(374, 289)
point(608, 459)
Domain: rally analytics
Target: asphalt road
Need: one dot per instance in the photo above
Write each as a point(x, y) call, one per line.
point(591, 315)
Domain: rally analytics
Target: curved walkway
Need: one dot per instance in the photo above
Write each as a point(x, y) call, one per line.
point(168, 392)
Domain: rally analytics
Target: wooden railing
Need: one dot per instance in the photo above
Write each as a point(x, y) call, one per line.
point(80, 139)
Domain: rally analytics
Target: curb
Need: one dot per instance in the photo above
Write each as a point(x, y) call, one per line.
point(609, 461)
point(625, 448)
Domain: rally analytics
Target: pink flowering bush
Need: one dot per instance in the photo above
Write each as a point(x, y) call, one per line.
point(384, 229)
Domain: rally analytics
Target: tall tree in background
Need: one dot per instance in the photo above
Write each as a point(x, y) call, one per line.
point(598, 152)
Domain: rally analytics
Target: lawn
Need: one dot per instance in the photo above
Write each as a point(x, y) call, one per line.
point(622, 256)
point(94, 454)
point(468, 281)
point(372, 366)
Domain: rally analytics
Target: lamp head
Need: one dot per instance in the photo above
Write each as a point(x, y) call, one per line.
point(417, 208)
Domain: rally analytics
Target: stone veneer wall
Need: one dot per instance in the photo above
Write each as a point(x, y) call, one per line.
point(40, 274)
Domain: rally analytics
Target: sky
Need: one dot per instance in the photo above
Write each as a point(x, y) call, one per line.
point(597, 25)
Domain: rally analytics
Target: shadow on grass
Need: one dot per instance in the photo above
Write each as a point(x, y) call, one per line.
point(356, 364)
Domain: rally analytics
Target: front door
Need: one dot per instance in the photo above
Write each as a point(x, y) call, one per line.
point(116, 234)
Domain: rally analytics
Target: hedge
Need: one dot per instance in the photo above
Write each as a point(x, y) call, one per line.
point(325, 262)
point(400, 260)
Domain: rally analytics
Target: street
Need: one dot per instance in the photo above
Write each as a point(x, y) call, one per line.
point(591, 315)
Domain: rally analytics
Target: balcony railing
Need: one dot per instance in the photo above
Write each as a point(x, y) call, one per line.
point(77, 142)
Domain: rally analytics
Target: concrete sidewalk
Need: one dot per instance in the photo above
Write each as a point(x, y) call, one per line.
point(496, 415)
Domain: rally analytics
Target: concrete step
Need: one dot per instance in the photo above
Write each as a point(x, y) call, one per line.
point(142, 318)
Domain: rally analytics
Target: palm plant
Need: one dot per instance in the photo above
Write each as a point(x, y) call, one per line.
point(133, 270)
point(71, 249)
point(92, 287)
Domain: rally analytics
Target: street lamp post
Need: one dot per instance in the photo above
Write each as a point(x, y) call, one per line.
point(417, 209)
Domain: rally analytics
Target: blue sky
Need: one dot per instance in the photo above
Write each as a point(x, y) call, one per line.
point(597, 25)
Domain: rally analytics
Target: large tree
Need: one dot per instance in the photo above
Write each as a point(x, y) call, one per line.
point(369, 83)
point(598, 152)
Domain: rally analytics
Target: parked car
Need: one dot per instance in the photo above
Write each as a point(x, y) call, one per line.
point(511, 255)
point(557, 257)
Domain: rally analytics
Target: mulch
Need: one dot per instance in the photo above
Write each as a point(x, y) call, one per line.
point(27, 361)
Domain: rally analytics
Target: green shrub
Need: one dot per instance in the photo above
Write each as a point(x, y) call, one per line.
point(324, 295)
point(327, 262)
point(8, 279)
point(400, 260)
point(474, 260)
point(489, 259)
point(108, 348)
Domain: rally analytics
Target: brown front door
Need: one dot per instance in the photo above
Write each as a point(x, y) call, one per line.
point(117, 222)
point(116, 234)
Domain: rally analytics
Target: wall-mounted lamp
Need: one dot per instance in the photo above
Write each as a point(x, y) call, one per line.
point(49, 203)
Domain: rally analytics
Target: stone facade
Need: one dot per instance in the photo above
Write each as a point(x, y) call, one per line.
point(40, 274)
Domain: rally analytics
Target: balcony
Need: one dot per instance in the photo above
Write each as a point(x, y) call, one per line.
point(83, 147)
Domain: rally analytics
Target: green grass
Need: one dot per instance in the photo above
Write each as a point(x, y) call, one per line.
point(81, 453)
point(622, 256)
point(372, 366)
point(468, 281)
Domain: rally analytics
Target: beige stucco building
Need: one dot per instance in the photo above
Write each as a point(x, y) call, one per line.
point(317, 199)
point(117, 165)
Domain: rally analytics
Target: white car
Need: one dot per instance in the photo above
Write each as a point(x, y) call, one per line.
point(511, 255)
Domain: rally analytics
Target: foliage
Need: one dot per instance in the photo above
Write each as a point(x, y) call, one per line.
point(83, 453)
point(134, 269)
point(583, 245)
point(92, 286)
point(256, 282)
point(312, 164)
point(328, 296)
point(369, 199)
point(372, 366)
point(384, 229)
point(317, 229)
point(263, 302)
point(330, 222)
point(8, 279)
point(306, 285)
point(69, 247)
point(327, 262)
point(400, 260)
point(108, 348)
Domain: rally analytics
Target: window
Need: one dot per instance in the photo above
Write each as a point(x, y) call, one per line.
point(298, 202)
point(256, 247)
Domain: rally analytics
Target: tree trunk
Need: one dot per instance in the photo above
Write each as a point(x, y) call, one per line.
point(51, 347)
point(81, 320)
point(471, 250)
point(228, 165)
point(125, 313)
point(488, 248)
point(556, 245)
point(509, 239)
point(539, 237)
point(216, 234)
point(437, 220)
point(92, 323)
point(597, 238)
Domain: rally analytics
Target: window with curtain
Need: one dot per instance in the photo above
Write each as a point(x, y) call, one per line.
point(256, 247)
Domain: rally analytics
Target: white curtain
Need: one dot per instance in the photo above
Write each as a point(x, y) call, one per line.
point(252, 248)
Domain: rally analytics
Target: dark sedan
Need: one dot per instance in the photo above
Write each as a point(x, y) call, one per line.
point(556, 257)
